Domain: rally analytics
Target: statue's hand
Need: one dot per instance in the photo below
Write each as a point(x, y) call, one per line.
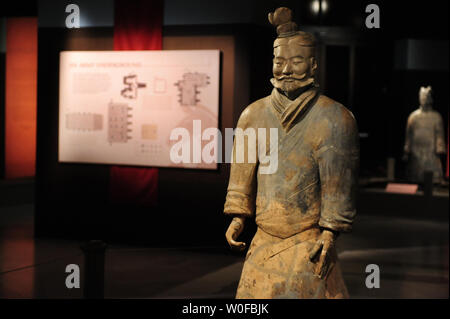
point(324, 246)
point(405, 157)
point(234, 230)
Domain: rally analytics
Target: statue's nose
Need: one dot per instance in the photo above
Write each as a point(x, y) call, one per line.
point(287, 69)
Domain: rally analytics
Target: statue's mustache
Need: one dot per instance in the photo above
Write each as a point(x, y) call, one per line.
point(294, 78)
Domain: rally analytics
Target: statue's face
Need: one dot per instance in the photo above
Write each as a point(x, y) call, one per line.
point(293, 66)
point(425, 97)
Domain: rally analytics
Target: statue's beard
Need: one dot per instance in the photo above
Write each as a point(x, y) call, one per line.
point(289, 84)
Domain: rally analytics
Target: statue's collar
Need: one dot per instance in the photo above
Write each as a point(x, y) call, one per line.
point(289, 110)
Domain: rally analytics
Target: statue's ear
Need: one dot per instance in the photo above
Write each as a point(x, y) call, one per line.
point(313, 65)
point(270, 17)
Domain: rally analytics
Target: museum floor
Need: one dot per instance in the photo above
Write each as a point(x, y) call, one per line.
point(412, 254)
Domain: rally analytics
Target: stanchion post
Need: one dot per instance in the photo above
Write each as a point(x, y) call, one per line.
point(94, 269)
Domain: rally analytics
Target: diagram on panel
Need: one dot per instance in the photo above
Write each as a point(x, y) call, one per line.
point(119, 122)
point(131, 86)
point(159, 85)
point(188, 87)
point(149, 149)
point(84, 121)
point(149, 132)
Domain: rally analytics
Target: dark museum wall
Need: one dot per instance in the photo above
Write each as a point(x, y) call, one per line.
point(376, 73)
point(71, 199)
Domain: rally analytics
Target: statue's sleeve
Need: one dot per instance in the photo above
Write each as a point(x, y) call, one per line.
point(440, 136)
point(240, 200)
point(338, 161)
point(407, 147)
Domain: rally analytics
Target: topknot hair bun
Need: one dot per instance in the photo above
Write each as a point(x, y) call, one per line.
point(282, 20)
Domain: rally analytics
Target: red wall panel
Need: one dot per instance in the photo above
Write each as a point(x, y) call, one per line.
point(20, 91)
point(137, 26)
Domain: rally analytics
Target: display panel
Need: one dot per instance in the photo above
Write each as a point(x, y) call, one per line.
point(120, 107)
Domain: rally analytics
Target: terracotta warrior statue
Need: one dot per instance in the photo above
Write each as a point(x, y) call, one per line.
point(303, 206)
point(424, 141)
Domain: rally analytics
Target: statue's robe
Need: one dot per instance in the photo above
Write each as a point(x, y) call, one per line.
point(424, 143)
point(313, 188)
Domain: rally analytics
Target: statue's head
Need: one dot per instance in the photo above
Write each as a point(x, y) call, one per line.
point(425, 96)
point(294, 62)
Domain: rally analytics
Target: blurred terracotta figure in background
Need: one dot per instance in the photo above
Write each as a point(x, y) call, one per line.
point(425, 140)
point(301, 208)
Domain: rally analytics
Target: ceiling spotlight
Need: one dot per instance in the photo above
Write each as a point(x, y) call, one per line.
point(315, 6)
point(319, 6)
point(324, 6)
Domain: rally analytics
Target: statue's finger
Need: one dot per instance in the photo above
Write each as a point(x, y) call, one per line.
point(237, 244)
point(324, 257)
point(230, 238)
point(315, 250)
point(322, 261)
point(318, 268)
point(323, 270)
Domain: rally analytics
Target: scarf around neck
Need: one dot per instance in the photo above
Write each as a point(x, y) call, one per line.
point(289, 110)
